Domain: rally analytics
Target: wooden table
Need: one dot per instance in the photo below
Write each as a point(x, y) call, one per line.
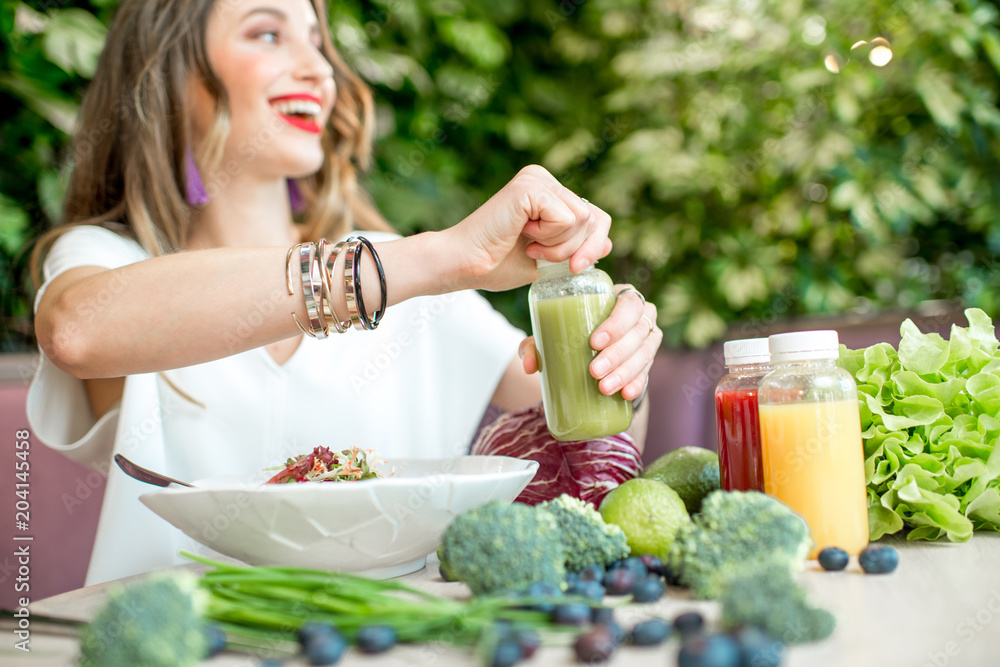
point(941, 608)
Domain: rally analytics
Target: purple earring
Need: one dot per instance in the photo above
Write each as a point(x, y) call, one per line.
point(295, 197)
point(194, 187)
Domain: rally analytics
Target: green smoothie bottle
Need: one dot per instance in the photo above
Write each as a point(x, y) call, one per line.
point(565, 311)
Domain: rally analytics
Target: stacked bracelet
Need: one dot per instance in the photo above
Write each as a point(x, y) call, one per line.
point(313, 294)
point(316, 264)
point(328, 257)
point(377, 317)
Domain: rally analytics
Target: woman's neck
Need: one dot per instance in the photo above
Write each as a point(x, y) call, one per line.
point(245, 213)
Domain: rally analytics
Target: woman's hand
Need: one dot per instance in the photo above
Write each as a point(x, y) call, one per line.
point(532, 217)
point(626, 343)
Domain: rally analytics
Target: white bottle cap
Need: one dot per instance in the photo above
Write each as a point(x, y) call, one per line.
point(746, 351)
point(804, 345)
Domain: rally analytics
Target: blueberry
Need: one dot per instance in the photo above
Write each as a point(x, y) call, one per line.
point(543, 593)
point(325, 650)
point(602, 615)
point(652, 563)
point(270, 662)
point(619, 581)
point(528, 640)
point(878, 559)
point(588, 589)
point(710, 651)
point(316, 630)
point(592, 573)
point(572, 577)
point(649, 589)
point(635, 566)
point(571, 613)
point(833, 558)
point(618, 635)
point(594, 646)
point(689, 623)
point(376, 638)
point(216, 640)
point(507, 653)
point(502, 628)
point(650, 633)
point(757, 648)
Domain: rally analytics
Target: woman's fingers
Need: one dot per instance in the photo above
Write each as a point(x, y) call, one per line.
point(529, 357)
point(629, 308)
point(562, 225)
point(628, 341)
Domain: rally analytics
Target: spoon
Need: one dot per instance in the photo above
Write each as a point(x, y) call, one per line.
point(147, 476)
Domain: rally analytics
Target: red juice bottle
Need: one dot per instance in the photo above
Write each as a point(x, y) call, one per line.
point(737, 417)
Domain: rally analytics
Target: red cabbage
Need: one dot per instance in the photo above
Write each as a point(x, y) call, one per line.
point(586, 469)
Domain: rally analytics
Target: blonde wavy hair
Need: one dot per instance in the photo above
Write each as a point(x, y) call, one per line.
point(132, 134)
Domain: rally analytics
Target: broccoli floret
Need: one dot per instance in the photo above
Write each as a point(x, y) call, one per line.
point(155, 622)
point(588, 539)
point(767, 596)
point(501, 547)
point(736, 530)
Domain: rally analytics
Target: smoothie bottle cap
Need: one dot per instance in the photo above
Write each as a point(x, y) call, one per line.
point(746, 351)
point(804, 345)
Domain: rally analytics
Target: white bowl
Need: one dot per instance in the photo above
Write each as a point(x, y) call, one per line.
point(380, 527)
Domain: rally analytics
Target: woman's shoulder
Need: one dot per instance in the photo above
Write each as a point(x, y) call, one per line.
point(88, 245)
point(109, 241)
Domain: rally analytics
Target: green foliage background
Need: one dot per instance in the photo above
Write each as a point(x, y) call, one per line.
point(753, 161)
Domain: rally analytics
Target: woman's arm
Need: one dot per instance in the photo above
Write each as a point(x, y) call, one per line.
point(192, 307)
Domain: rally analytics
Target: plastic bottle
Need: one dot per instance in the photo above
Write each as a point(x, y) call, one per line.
point(811, 439)
point(565, 311)
point(736, 414)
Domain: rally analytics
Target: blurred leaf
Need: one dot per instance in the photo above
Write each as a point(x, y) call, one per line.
point(57, 110)
point(14, 226)
point(752, 170)
point(74, 39)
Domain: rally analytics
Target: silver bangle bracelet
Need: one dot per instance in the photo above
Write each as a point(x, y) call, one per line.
point(312, 290)
point(350, 285)
point(327, 258)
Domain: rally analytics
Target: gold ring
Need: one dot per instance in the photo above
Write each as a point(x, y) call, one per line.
point(652, 327)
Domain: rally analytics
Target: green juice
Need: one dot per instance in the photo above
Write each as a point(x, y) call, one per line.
point(575, 409)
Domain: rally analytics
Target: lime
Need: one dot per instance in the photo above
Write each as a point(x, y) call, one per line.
point(650, 513)
point(693, 472)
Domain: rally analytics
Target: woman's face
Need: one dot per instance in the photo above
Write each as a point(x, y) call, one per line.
point(268, 56)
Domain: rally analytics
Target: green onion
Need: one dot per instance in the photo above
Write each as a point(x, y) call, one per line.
point(261, 608)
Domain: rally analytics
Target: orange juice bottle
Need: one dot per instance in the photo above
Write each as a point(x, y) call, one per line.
point(810, 427)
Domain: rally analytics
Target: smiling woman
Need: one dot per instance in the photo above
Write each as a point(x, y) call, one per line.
point(188, 303)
